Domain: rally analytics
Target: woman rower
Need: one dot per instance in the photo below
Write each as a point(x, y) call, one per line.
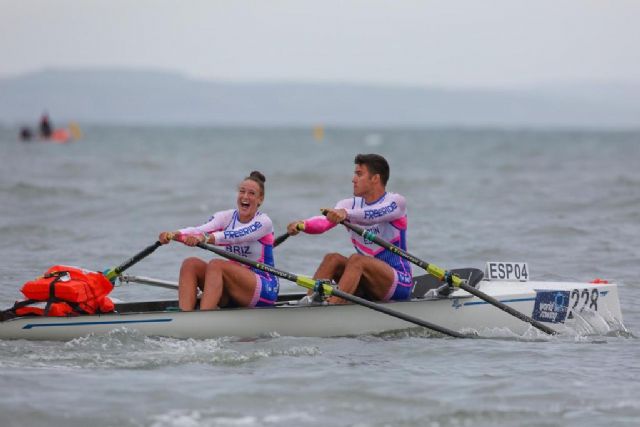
point(244, 231)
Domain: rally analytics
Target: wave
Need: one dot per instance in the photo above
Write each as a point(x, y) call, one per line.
point(29, 189)
point(213, 417)
point(129, 349)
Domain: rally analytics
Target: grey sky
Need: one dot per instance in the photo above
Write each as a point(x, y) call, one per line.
point(445, 43)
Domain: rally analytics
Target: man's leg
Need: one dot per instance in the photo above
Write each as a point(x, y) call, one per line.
point(331, 268)
point(367, 274)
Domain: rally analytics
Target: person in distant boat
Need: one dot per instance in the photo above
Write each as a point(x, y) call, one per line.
point(372, 272)
point(244, 231)
point(25, 134)
point(45, 126)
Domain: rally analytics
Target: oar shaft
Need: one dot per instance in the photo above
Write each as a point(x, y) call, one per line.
point(310, 283)
point(116, 271)
point(440, 274)
point(149, 281)
point(406, 317)
point(506, 308)
point(429, 268)
point(264, 267)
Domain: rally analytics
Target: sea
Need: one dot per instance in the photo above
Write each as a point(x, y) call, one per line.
point(566, 202)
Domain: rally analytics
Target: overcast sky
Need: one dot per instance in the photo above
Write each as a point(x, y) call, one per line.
point(481, 43)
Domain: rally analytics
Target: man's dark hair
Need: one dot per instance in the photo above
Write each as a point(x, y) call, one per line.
point(376, 165)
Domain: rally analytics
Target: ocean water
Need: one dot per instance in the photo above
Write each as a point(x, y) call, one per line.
point(566, 202)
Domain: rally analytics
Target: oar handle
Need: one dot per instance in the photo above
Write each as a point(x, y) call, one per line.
point(310, 283)
point(285, 236)
point(280, 239)
point(112, 273)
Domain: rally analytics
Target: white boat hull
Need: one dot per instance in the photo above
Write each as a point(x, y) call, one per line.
point(583, 307)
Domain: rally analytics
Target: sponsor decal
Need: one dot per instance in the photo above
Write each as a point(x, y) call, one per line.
point(404, 277)
point(551, 306)
point(234, 234)
point(244, 251)
point(377, 213)
point(370, 233)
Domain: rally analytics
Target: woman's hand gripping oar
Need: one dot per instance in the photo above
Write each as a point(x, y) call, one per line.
point(327, 289)
point(445, 276)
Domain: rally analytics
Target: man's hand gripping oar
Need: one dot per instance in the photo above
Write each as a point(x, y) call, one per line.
point(280, 239)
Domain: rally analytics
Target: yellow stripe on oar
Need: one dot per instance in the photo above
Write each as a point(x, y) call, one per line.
point(310, 283)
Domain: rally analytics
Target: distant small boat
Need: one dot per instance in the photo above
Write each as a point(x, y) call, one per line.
point(58, 136)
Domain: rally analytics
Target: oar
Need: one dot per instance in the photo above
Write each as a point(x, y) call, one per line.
point(114, 272)
point(280, 239)
point(126, 278)
point(312, 284)
point(445, 275)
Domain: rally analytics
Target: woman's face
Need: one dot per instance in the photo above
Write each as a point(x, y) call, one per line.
point(249, 199)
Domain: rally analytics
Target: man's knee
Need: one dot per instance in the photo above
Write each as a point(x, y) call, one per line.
point(333, 259)
point(356, 260)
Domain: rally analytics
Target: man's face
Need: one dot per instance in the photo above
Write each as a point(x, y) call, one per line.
point(362, 180)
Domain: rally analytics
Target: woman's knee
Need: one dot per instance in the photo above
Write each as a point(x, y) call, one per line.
point(216, 264)
point(191, 264)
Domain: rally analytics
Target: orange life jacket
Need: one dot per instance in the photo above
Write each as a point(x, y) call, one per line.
point(66, 291)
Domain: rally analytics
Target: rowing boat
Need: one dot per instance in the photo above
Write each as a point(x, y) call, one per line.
point(566, 307)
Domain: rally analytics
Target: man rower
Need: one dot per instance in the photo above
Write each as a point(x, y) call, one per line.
point(373, 272)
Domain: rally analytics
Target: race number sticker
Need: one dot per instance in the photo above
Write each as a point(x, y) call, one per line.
point(584, 299)
point(551, 306)
point(507, 271)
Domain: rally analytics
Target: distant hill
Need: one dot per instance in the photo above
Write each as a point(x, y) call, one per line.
point(106, 96)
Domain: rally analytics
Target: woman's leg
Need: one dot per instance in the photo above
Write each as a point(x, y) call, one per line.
point(192, 275)
point(224, 278)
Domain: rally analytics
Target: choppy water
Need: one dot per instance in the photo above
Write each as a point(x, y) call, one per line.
point(568, 203)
